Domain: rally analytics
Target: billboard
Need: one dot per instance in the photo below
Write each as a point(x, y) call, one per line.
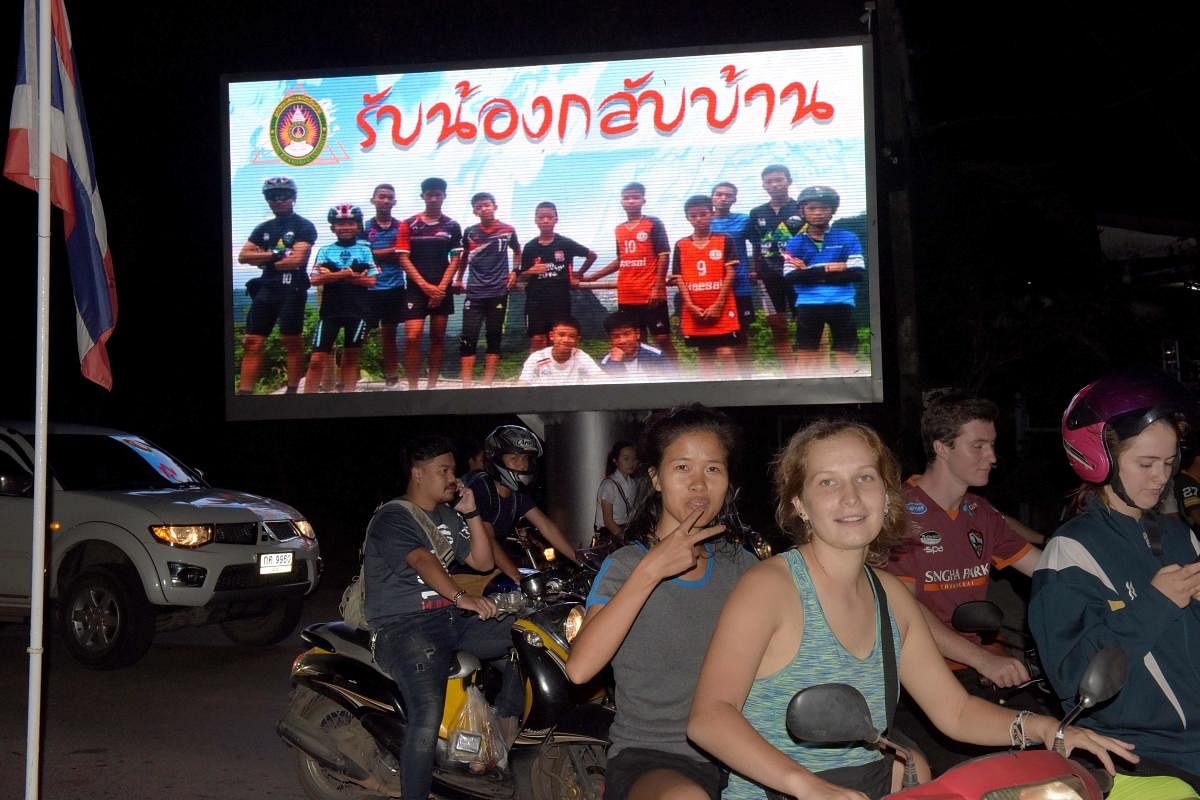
point(625, 231)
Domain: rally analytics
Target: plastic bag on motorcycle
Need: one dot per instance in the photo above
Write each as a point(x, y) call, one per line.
point(474, 738)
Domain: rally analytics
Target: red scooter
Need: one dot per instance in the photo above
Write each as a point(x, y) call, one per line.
point(837, 713)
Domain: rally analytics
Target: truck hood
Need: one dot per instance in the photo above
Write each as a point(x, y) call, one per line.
point(189, 505)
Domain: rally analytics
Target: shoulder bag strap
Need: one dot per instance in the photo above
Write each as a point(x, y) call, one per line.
point(443, 549)
point(891, 683)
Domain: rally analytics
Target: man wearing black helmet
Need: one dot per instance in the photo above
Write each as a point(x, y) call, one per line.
point(502, 493)
point(280, 248)
point(823, 266)
point(345, 271)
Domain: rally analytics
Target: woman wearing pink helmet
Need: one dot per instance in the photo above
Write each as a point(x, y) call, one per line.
point(1122, 572)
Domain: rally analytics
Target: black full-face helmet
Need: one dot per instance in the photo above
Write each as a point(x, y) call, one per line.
point(512, 439)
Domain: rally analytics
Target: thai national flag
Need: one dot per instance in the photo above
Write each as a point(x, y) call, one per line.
point(72, 182)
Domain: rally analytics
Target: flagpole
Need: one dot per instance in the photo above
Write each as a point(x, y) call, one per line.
point(37, 595)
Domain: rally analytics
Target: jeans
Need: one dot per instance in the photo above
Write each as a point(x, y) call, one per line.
point(417, 651)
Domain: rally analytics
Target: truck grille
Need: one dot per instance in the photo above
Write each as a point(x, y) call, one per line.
point(236, 533)
point(250, 532)
point(246, 576)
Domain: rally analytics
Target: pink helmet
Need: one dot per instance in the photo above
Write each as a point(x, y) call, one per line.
point(1127, 403)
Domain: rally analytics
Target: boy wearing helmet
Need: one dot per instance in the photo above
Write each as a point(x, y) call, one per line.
point(1123, 573)
point(502, 496)
point(823, 266)
point(345, 271)
point(280, 248)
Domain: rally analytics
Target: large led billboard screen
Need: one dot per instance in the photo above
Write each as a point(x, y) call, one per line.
point(625, 231)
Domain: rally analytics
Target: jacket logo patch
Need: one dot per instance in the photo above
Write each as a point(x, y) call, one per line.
point(976, 540)
point(915, 508)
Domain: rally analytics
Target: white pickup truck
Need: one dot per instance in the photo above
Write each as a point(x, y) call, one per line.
point(138, 542)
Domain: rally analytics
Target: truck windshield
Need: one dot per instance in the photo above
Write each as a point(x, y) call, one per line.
point(89, 462)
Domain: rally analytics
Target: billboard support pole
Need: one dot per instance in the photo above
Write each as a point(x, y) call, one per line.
point(900, 123)
point(577, 443)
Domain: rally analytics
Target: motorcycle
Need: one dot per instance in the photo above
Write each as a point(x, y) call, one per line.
point(837, 713)
point(346, 717)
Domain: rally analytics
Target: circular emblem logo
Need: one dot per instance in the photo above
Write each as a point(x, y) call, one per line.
point(916, 508)
point(642, 236)
point(298, 130)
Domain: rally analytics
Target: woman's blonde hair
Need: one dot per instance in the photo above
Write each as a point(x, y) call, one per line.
point(790, 472)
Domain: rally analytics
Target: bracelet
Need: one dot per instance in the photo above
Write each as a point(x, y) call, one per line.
point(458, 596)
point(472, 514)
point(1016, 731)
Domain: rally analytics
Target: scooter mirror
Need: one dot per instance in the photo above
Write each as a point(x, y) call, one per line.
point(830, 713)
point(1104, 676)
point(977, 616)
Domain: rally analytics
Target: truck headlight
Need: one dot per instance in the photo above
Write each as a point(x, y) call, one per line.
point(183, 535)
point(305, 528)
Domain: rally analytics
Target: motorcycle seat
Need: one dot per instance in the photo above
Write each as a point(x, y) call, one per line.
point(356, 643)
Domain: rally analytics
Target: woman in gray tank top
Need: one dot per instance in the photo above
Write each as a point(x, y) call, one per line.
point(655, 602)
point(811, 616)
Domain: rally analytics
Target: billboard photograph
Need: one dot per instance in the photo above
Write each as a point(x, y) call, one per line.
point(608, 232)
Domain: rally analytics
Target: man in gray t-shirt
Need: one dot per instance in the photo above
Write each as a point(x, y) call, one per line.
point(657, 665)
point(412, 603)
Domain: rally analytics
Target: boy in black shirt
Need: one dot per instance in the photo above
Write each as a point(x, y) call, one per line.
point(546, 271)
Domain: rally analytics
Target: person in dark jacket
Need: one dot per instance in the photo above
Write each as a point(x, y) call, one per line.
point(1123, 573)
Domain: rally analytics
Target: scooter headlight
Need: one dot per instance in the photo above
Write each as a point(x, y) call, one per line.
point(1068, 787)
point(573, 623)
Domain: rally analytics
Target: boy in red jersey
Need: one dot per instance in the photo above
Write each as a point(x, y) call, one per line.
point(643, 252)
point(706, 264)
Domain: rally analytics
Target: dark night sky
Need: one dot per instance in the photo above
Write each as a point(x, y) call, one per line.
point(1029, 123)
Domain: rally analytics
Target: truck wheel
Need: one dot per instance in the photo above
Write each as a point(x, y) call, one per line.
point(278, 623)
point(105, 619)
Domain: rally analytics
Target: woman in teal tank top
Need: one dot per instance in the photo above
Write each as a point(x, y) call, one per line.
point(811, 616)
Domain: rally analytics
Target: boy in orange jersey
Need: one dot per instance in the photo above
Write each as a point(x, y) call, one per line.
point(705, 264)
point(643, 252)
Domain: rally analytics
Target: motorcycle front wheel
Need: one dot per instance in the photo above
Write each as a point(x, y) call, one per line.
point(318, 782)
point(568, 771)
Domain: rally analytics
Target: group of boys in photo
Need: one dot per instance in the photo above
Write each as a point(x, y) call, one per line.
point(389, 274)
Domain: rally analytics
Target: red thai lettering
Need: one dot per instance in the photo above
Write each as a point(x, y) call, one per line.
point(731, 74)
point(655, 98)
point(370, 103)
point(564, 106)
point(766, 91)
point(540, 103)
point(490, 111)
point(373, 102)
point(629, 113)
point(711, 114)
point(465, 130)
point(818, 108)
point(637, 83)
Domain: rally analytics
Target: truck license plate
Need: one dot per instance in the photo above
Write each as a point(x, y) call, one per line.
point(272, 563)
